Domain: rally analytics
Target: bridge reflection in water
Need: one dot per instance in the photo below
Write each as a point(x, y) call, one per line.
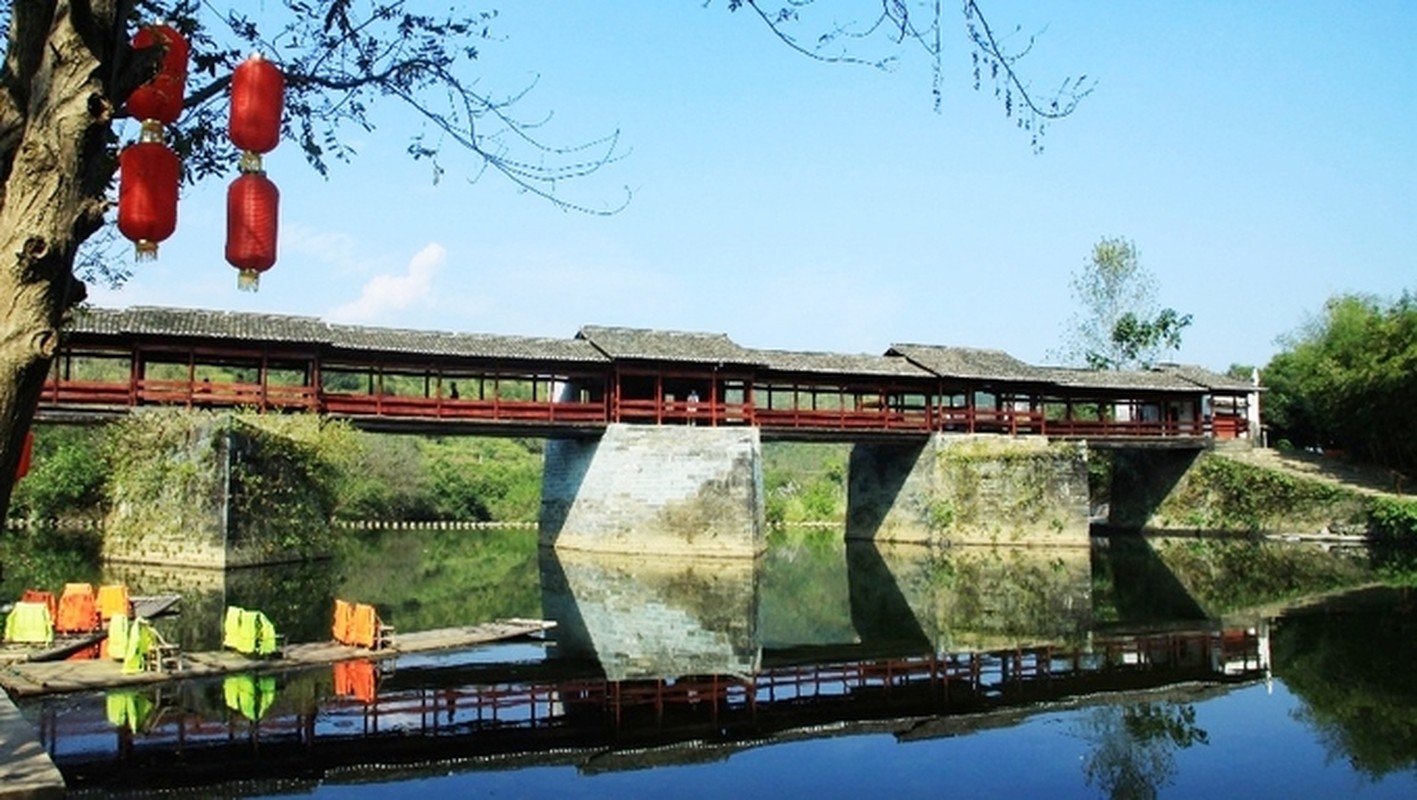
point(672, 663)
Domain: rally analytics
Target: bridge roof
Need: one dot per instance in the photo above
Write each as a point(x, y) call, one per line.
point(973, 363)
point(598, 345)
point(655, 345)
point(1203, 377)
point(840, 364)
point(202, 323)
point(1143, 380)
point(1178, 378)
point(286, 328)
point(463, 345)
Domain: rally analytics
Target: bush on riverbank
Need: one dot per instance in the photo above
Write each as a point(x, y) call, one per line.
point(1394, 519)
point(359, 476)
point(414, 478)
point(804, 483)
point(1222, 494)
point(67, 477)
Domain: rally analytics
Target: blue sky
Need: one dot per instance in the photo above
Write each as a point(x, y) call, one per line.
point(1260, 155)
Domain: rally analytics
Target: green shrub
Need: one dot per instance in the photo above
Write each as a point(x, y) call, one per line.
point(1394, 519)
point(67, 475)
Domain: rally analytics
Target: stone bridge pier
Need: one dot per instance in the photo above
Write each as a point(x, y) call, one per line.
point(969, 489)
point(642, 489)
point(698, 491)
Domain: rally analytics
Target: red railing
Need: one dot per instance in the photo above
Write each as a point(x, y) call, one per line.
point(497, 409)
point(87, 393)
point(843, 419)
point(197, 394)
point(682, 412)
point(275, 397)
point(1089, 429)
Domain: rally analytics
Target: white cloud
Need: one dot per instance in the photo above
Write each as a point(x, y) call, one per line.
point(340, 250)
point(386, 293)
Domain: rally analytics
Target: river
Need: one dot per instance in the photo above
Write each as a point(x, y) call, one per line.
point(1138, 668)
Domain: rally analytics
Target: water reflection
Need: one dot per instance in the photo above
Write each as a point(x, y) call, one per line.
point(299, 596)
point(661, 663)
point(1361, 700)
point(653, 618)
point(1133, 748)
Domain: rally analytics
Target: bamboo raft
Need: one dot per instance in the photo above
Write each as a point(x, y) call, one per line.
point(38, 678)
point(65, 645)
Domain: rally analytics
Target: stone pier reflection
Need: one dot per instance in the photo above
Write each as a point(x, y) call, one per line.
point(972, 598)
point(904, 598)
point(811, 597)
point(653, 617)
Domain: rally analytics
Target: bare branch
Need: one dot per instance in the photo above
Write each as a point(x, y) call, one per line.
point(900, 26)
point(339, 56)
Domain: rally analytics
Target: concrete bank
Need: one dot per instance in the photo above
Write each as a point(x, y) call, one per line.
point(26, 771)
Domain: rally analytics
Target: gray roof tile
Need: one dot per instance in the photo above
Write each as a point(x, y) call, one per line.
point(655, 345)
point(463, 345)
point(971, 363)
point(1120, 380)
point(840, 364)
point(202, 323)
point(1203, 377)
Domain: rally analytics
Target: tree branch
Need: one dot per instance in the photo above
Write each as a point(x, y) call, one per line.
point(901, 26)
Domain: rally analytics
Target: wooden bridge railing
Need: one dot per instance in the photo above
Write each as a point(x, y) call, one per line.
point(285, 398)
point(843, 419)
point(197, 394)
point(683, 412)
point(384, 405)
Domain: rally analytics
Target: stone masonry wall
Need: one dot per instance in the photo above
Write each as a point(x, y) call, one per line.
point(655, 489)
point(207, 490)
point(980, 489)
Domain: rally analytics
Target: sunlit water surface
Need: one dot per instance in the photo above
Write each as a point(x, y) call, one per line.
point(1136, 670)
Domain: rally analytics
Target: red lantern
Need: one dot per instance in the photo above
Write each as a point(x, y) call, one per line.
point(148, 174)
point(161, 97)
point(257, 100)
point(251, 210)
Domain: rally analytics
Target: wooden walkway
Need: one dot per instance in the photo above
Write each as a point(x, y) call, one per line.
point(36, 678)
point(26, 771)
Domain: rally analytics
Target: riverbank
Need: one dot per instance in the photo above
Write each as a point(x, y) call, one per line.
point(1261, 491)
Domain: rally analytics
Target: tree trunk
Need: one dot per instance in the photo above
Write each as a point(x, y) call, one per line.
point(56, 164)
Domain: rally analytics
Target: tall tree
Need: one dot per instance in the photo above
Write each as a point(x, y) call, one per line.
point(1117, 325)
point(69, 68)
point(1347, 379)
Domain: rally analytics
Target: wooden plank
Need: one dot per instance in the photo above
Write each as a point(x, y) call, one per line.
point(26, 771)
point(74, 676)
